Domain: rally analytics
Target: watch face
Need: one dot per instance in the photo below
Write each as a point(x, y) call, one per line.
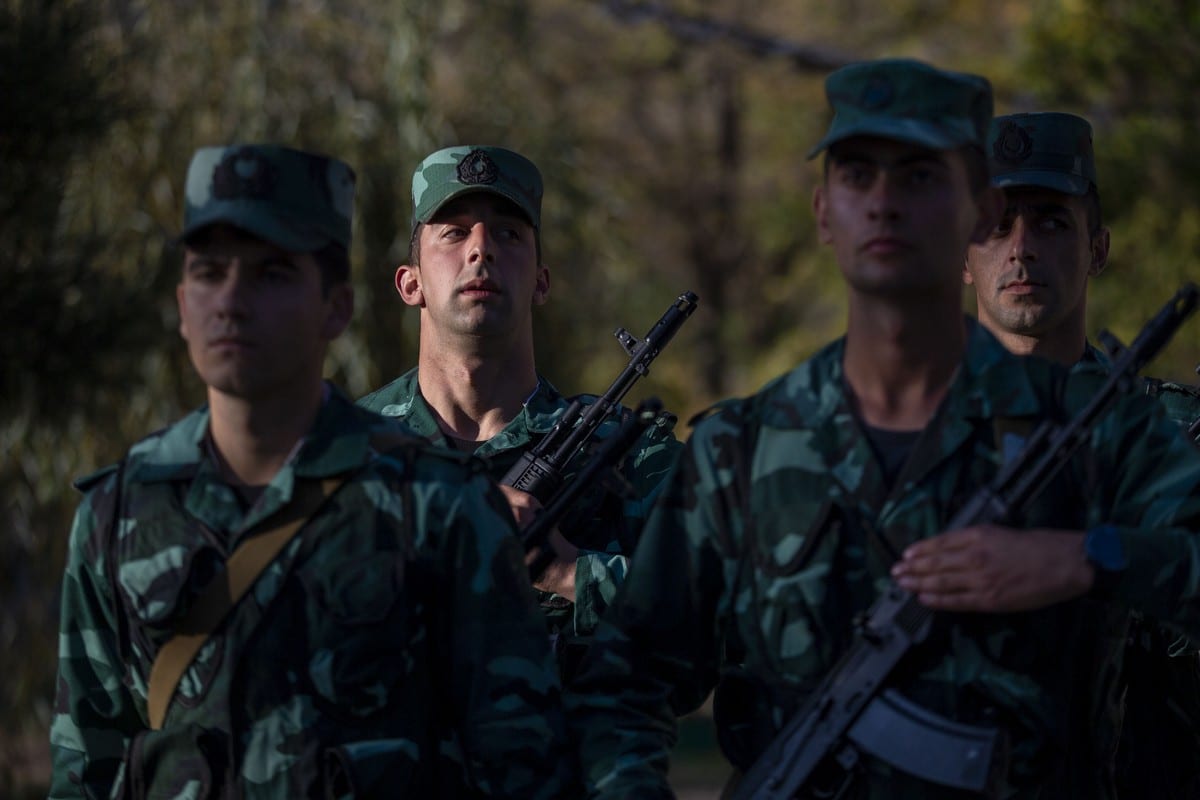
point(1103, 548)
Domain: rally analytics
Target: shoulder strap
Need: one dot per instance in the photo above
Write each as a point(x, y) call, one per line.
point(217, 599)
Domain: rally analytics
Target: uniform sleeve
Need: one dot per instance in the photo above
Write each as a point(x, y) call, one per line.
point(1152, 498)
point(597, 576)
point(95, 716)
point(504, 680)
point(655, 653)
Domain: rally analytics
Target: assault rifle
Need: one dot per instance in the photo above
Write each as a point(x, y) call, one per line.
point(540, 470)
point(607, 456)
point(852, 713)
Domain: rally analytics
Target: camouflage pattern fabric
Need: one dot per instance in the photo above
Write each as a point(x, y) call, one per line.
point(1158, 751)
point(776, 529)
point(396, 619)
point(605, 526)
point(1181, 402)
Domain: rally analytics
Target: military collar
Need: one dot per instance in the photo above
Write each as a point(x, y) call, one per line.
point(538, 414)
point(993, 382)
point(1094, 355)
point(990, 382)
point(337, 443)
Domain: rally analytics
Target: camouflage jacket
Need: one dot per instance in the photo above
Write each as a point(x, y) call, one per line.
point(776, 529)
point(605, 526)
point(398, 617)
point(1180, 401)
point(1158, 748)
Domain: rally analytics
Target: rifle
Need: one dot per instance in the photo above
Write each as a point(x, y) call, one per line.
point(607, 456)
point(851, 712)
point(540, 470)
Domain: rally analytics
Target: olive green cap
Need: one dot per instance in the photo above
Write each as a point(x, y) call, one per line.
point(908, 101)
point(1048, 149)
point(296, 200)
point(455, 171)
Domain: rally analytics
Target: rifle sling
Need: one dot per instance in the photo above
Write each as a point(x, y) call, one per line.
point(220, 597)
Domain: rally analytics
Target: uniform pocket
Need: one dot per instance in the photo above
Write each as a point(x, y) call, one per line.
point(360, 633)
point(183, 762)
point(371, 769)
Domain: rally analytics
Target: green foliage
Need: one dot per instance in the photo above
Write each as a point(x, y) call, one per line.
point(672, 162)
point(1132, 68)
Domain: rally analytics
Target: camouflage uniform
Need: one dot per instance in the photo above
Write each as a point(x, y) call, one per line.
point(390, 649)
point(777, 528)
point(605, 524)
point(1158, 750)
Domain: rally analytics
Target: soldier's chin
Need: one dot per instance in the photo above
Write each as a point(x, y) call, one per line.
point(242, 384)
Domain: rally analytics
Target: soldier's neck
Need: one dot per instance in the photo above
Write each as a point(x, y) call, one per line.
point(899, 364)
point(1063, 347)
point(255, 438)
point(474, 395)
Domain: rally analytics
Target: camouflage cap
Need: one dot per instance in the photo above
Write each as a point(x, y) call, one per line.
point(296, 200)
point(910, 101)
point(455, 171)
point(1049, 149)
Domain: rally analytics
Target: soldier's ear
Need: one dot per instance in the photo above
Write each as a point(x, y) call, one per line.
point(541, 285)
point(1099, 248)
point(820, 204)
point(408, 285)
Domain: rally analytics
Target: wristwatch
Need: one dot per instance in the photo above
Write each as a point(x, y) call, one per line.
point(1102, 547)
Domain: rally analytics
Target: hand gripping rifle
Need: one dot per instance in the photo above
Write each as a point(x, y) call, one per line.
point(852, 712)
point(607, 456)
point(540, 470)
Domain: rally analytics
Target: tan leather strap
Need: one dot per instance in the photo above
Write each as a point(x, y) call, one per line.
point(217, 599)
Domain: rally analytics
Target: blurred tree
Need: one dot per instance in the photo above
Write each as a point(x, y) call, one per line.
point(672, 136)
point(1131, 67)
point(64, 331)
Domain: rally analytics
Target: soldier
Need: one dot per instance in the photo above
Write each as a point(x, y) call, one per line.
point(475, 272)
point(1031, 276)
point(283, 595)
point(788, 511)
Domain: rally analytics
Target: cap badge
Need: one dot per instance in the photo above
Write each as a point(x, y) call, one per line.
point(1013, 144)
point(243, 174)
point(477, 168)
point(877, 94)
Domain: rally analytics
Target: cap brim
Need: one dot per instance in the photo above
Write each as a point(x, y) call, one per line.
point(464, 190)
point(911, 131)
point(1043, 179)
point(251, 217)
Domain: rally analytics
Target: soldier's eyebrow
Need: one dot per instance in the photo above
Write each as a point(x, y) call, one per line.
point(919, 157)
point(202, 259)
point(1039, 207)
